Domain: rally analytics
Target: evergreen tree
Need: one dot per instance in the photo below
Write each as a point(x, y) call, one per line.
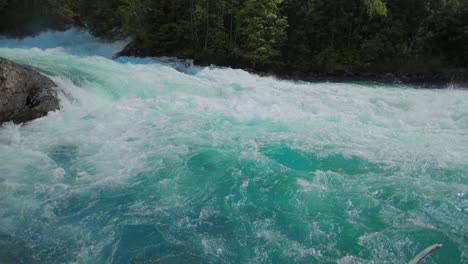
point(262, 30)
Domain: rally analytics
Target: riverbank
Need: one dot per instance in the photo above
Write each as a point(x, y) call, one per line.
point(386, 41)
point(423, 76)
point(419, 78)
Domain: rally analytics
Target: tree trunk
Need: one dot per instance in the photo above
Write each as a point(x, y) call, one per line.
point(207, 23)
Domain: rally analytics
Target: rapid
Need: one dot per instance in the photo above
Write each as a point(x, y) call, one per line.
point(156, 161)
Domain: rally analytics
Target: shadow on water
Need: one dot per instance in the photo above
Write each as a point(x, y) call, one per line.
point(13, 250)
point(306, 161)
point(65, 156)
point(144, 243)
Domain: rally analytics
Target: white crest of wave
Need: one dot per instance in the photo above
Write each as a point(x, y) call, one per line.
point(75, 41)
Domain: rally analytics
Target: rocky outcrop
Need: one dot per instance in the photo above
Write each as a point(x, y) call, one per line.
point(24, 93)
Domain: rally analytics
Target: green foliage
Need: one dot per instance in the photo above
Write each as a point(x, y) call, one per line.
point(3, 4)
point(289, 35)
point(27, 17)
point(370, 36)
point(101, 17)
point(262, 33)
point(62, 8)
point(134, 15)
point(376, 7)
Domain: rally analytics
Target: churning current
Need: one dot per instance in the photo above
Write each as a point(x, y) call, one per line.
point(154, 161)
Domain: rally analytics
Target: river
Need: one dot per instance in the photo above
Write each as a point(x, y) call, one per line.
point(151, 161)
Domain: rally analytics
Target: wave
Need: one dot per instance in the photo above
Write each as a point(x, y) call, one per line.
point(160, 159)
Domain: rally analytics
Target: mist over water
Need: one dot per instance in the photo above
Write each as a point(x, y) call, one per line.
point(75, 41)
point(152, 162)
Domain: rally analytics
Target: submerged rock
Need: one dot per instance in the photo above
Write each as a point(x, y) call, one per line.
point(24, 93)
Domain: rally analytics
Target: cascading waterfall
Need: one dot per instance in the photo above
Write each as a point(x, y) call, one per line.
point(148, 161)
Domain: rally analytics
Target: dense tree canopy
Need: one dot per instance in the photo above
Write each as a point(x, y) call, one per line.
point(291, 35)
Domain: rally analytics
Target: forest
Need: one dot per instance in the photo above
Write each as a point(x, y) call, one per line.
point(400, 36)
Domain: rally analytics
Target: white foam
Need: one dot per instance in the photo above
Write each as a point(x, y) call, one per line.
point(122, 120)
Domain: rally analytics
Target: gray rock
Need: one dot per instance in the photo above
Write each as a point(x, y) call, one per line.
point(24, 93)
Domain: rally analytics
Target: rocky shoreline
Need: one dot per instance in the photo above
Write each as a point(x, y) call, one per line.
point(25, 94)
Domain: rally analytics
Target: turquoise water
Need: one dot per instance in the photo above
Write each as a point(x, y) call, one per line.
point(149, 162)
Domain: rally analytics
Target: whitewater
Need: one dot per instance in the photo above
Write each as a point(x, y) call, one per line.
point(155, 161)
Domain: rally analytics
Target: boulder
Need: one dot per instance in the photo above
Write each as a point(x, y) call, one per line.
point(24, 93)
